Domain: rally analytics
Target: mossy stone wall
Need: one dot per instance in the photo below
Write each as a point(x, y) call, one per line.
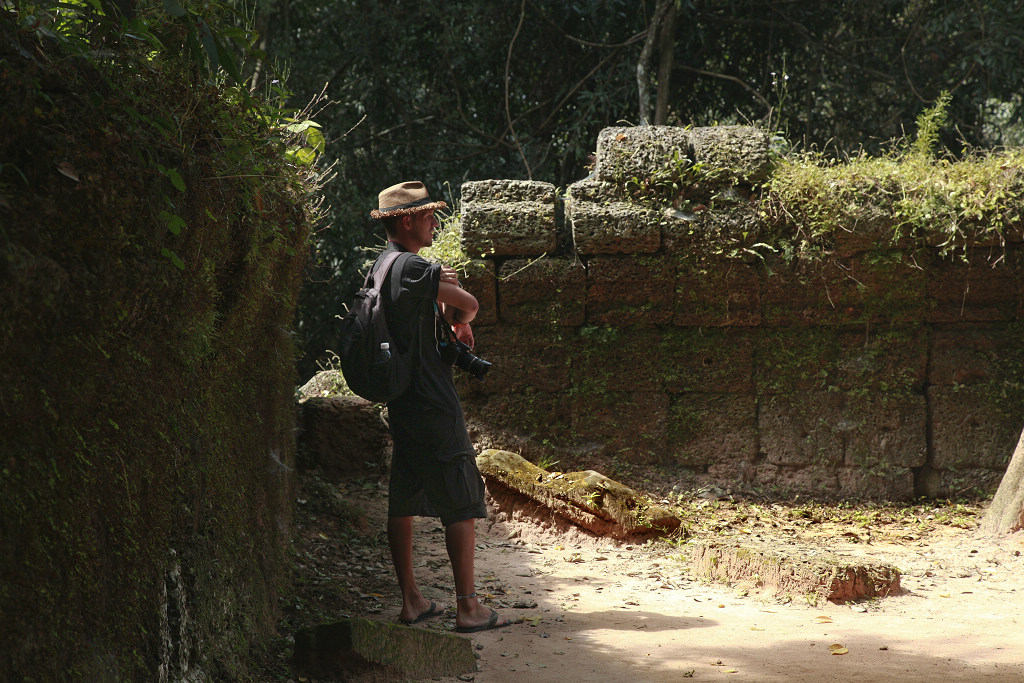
point(652, 314)
point(146, 413)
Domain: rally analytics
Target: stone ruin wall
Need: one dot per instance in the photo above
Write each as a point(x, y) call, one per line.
point(622, 336)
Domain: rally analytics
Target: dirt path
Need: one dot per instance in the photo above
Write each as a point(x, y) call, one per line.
point(599, 611)
point(626, 614)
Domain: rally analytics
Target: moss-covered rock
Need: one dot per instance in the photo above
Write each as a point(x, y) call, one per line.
point(342, 436)
point(588, 499)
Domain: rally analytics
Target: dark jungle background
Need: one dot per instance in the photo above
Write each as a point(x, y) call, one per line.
point(454, 90)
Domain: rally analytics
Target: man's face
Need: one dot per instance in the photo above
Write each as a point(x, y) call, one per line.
point(423, 224)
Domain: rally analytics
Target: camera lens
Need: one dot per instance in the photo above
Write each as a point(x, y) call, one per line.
point(472, 364)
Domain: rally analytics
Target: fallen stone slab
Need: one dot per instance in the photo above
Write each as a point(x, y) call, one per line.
point(588, 499)
point(798, 572)
point(361, 646)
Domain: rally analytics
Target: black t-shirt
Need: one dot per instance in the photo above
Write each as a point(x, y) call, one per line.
point(412, 315)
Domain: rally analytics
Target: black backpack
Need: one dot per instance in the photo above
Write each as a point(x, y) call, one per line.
point(369, 371)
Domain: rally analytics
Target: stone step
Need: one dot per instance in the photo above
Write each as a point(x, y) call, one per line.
point(360, 646)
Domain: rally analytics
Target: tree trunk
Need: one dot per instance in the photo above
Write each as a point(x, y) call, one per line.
point(266, 16)
point(642, 81)
point(1006, 514)
point(666, 48)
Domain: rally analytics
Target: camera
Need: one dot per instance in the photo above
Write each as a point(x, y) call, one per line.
point(459, 354)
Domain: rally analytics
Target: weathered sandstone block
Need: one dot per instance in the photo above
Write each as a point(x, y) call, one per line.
point(740, 151)
point(706, 296)
point(874, 431)
point(708, 429)
point(508, 218)
point(882, 483)
point(479, 280)
point(639, 151)
point(630, 290)
point(865, 288)
point(615, 359)
point(976, 354)
point(605, 226)
point(529, 356)
point(792, 359)
point(546, 291)
point(883, 431)
point(987, 288)
point(969, 427)
point(797, 429)
point(712, 360)
point(624, 421)
point(341, 435)
point(883, 360)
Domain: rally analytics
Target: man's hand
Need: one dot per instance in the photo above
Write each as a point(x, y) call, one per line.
point(464, 333)
point(449, 274)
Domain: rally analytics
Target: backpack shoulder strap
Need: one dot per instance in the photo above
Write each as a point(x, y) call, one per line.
point(385, 262)
point(396, 281)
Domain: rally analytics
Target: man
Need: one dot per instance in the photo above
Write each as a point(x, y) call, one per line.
point(433, 469)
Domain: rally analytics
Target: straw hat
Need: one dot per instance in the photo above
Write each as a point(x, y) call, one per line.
point(404, 198)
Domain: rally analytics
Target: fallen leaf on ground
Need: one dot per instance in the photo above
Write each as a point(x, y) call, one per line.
point(837, 649)
point(65, 168)
point(823, 619)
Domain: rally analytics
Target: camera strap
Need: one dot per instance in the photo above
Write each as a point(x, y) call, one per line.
point(441, 323)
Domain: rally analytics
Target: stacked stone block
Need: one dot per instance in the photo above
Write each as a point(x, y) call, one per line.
point(655, 335)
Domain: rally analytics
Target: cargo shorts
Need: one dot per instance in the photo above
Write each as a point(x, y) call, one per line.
point(433, 467)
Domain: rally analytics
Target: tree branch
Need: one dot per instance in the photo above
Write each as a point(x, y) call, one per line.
point(701, 72)
point(588, 43)
point(508, 111)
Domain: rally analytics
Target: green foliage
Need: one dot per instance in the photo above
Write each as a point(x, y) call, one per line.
point(929, 125)
point(812, 200)
point(166, 31)
point(447, 245)
point(681, 182)
point(898, 196)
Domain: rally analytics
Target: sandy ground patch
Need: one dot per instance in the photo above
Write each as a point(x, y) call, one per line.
point(593, 610)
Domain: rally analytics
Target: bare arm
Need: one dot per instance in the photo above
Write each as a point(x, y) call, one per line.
point(457, 305)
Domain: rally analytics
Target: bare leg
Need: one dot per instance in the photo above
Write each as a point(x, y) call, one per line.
point(400, 540)
point(460, 539)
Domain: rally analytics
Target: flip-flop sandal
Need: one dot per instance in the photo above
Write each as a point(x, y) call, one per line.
point(429, 614)
point(491, 623)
